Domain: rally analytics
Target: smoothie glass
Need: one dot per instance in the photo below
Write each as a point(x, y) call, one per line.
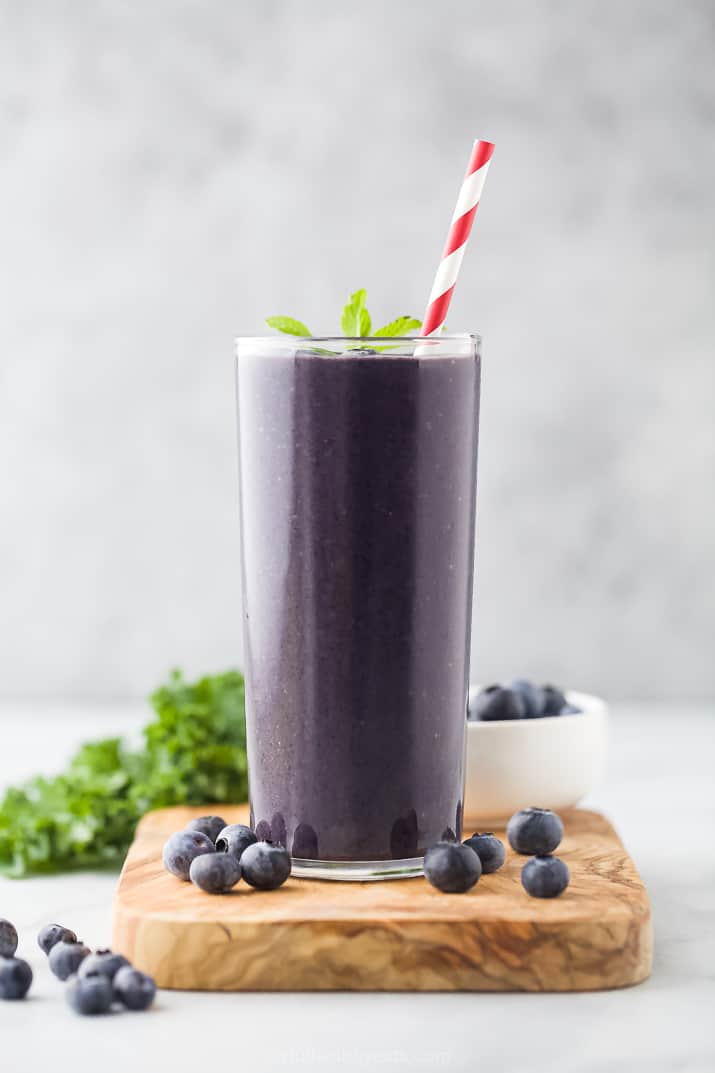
point(357, 481)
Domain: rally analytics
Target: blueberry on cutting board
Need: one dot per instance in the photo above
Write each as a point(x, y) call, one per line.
point(215, 873)
point(452, 867)
point(489, 849)
point(265, 866)
point(234, 839)
point(181, 849)
point(545, 876)
point(211, 826)
point(534, 831)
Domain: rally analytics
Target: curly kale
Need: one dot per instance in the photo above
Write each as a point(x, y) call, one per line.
point(194, 753)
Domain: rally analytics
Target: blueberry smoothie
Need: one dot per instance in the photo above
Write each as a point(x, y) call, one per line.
point(357, 488)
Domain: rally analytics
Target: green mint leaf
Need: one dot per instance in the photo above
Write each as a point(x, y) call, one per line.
point(355, 321)
point(401, 326)
point(288, 325)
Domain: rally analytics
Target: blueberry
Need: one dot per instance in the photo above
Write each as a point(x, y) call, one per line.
point(234, 839)
point(489, 849)
point(211, 826)
point(104, 962)
point(66, 957)
point(134, 989)
point(90, 994)
point(52, 934)
point(495, 703)
point(181, 849)
point(8, 939)
point(265, 866)
point(452, 867)
point(15, 978)
point(534, 831)
point(554, 700)
point(215, 873)
point(533, 697)
point(545, 876)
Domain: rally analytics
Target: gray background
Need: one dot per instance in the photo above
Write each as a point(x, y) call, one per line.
point(171, 172)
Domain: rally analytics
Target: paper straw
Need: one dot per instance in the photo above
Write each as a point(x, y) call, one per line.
point(459, 231)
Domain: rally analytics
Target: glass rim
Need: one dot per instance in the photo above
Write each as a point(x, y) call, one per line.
point(379, 340)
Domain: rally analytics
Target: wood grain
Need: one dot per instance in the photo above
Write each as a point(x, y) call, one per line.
point(399, 935)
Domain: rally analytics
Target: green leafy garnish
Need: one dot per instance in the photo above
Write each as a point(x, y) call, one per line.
point(400, 326)
point(355, 321)
point(288, 325)
point(194, 753)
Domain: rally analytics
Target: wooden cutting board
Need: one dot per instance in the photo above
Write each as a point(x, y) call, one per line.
point(398, 935)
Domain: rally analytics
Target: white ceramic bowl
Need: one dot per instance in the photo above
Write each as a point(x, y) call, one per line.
point(550, 763)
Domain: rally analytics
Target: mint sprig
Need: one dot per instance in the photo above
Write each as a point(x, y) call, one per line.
point(355, 321)
point(400, 326)
point(288, 325)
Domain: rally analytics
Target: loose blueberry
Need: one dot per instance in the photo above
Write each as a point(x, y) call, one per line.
point(554, 700)
point(532, 695)
point(134, 989)
point(211, 826)
point(215, 873)
point(8, 939)
point(52, 934)
point(15, 978)
point(265, 866)
point(90, 994)
point(182, 848)
point(452, 867)
point(545, 876)
point(104, 962)
point(534, 831)
point(65, 958)
point(495, 703)
point(489, 849)
point(234, 839)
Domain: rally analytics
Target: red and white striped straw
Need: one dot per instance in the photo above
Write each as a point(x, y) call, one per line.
point(461, 226)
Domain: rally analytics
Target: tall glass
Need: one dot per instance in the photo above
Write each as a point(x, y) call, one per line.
point(357, 464)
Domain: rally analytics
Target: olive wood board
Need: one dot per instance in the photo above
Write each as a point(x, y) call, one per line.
point(395, 935)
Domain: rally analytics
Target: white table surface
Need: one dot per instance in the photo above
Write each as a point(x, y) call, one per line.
point(660, 792)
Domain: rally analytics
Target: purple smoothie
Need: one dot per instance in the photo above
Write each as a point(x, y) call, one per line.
point(357, 481)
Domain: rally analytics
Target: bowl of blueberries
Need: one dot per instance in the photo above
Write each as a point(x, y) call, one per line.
point(527, 743)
